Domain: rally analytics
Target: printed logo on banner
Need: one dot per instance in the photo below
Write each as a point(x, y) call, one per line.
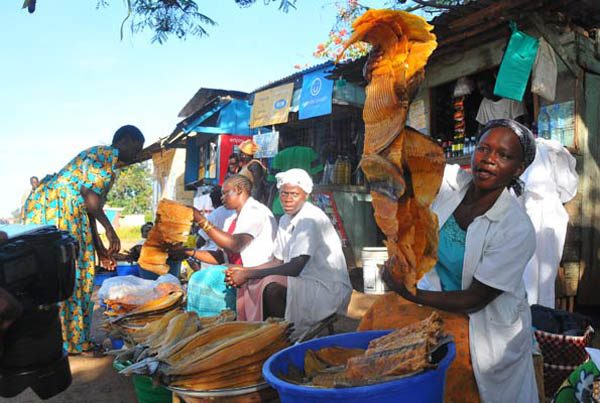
point(315, 99)
point(280, 104)
point(315, 87)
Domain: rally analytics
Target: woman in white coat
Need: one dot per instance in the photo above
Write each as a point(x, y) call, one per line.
point(307, 279)
point(486, 240)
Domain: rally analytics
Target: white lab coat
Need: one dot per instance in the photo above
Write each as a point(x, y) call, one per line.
point(498, 246)
point(550, 181)
point(323, 286)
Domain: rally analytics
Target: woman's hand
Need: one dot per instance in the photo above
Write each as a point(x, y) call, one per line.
point(107, 261)
point(179, 252)
point(236, 276)
point(199, 218)
point(398, 288)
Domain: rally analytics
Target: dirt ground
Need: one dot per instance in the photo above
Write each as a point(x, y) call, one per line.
point(96, 381)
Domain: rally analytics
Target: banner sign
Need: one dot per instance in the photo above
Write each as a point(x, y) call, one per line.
point(315, 99)
point(271, 106)
point(268, 144)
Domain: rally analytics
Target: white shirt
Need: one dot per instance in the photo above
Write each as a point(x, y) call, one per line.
point(217, 218)
point(502, 109)
point(550, 181)
point(323, 286)
point(256, 220)
point(498, 246)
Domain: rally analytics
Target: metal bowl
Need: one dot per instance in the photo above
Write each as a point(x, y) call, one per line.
point(219, 392)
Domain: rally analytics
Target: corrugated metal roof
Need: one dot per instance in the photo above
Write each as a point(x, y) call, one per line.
point(204, 95)
point(480, 17)
point(296, 77)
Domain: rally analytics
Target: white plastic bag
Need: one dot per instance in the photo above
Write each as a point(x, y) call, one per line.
point(545, 72)
point(132, 286)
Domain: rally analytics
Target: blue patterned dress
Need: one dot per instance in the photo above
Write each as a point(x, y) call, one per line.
point(57, 201)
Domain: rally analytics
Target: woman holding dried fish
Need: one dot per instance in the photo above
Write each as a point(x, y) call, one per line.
point(307, 280)
point(486, 240)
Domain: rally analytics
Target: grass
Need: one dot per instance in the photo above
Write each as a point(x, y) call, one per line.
point(129, 236)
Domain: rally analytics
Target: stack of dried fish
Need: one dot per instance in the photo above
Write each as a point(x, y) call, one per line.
point(164, 333)
point(144, 315)
point(225, 355)
point(127, 303)
point(403, 352)
point(404, 167)
point(173, 223)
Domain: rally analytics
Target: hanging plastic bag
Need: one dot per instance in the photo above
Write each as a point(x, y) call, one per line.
point(545, 72)
point(516, 65)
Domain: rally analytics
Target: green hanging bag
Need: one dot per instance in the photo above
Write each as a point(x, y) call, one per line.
point(516, 65)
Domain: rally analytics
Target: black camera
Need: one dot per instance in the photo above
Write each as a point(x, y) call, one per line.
point(37, 266)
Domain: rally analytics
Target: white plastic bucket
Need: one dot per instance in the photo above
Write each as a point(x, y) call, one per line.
point(372, 258)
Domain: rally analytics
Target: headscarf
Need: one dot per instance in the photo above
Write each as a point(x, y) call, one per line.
point(295, 177)
point(526, 140)
point(248, 147)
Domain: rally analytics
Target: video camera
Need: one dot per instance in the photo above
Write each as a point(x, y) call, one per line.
point(37, 266)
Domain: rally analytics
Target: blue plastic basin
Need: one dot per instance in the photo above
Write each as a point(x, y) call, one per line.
point(427, 387)
point(100, 277)
point(127, 269)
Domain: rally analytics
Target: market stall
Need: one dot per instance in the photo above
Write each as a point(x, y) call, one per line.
point(326, 115)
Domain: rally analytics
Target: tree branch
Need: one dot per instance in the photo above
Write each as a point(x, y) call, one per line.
point(434, 4)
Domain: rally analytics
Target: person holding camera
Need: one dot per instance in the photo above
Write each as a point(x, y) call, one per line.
point(72, 200)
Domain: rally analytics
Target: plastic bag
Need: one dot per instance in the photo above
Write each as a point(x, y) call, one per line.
point(132, 286)
point(545, 72)
point(516, 65)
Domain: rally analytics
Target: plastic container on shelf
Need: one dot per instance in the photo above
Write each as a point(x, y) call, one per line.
point(544, 123)
point(427, 387)
point(371, 259)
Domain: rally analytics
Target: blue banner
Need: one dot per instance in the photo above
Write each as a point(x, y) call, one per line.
point(315, 99)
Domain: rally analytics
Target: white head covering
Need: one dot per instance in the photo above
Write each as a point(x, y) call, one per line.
point(295, 177)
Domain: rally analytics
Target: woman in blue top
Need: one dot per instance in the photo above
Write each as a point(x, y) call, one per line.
point(486, 240)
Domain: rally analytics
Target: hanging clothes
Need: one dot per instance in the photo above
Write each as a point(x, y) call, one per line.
point(550, 181)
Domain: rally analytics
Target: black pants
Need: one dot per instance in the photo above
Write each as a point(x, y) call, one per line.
point(274, 300)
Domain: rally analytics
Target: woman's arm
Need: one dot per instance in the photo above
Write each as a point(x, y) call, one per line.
point(231, 243)
point(93, 205)
point(236, 277)
point(474, 298)
point(98, 245)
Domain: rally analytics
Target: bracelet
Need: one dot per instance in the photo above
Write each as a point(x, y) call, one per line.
point(207, 226)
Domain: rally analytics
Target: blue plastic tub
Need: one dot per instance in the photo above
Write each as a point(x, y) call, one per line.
point(100, 277)
point(127, 269)
point(117, 344)
point(427, 387)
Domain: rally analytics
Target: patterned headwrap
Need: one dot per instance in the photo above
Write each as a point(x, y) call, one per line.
point(248, 147)
point(525, 138)
point(295, 177)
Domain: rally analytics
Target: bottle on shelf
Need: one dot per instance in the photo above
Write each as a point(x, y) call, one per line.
point(347, 170)
point(544, 123)
point(467, 146)
point(338, 171)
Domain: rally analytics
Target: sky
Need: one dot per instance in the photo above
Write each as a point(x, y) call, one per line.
point(67, 80)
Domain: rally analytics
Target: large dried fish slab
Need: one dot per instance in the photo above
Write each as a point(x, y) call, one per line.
point(402, 43)
point(173, 222)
